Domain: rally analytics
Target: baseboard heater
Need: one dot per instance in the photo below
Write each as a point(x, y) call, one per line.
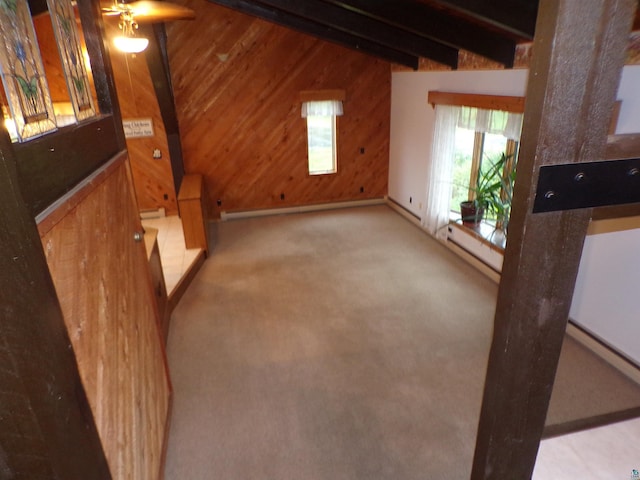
point(476, 247)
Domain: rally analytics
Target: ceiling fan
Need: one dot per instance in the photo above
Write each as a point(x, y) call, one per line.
point(142, 11)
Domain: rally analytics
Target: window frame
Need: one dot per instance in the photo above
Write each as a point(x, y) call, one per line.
point(334, 95)
point(334, 148)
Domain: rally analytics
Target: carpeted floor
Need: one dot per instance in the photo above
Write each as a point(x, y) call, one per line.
point(343, 345)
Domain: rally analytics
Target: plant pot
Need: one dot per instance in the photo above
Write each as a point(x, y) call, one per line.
point(471, 214)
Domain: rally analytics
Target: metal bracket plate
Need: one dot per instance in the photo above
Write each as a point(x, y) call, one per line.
point(585, 185)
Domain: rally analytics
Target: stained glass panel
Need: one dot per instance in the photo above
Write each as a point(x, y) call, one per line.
point(22, 72)
point(70, 48)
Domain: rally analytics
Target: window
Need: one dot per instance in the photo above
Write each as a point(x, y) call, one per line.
point(455, 113)
point(481, 138)
point(29, 107)
point(473, 151)
point(321, 135)
point(321, 141)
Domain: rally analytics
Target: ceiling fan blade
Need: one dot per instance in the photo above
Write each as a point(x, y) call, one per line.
point(151, 11)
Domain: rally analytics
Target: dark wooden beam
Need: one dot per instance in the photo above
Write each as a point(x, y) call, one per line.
point(51, 165)
point(158, 63)
point(428, 22)
point(38, 7)
point(515, 16)
point(579, 53)
point(101, 69)
point(366, 28)
point(620, 146)
point(323, 32)
point(46, 425)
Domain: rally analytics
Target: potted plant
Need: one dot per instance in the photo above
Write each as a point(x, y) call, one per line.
point(492, 194)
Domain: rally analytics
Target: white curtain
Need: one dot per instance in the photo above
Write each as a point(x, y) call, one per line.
point(502, 123)
point(325, 108)
point(440, 172)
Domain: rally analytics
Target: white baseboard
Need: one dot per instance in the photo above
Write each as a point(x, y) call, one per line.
point(224, 216)
point(612, 358)
point(404, 212)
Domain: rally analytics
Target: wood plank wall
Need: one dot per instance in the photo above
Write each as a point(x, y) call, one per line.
point(152, 178)
point(240, 119)
point(103, 283)
point(50, 58)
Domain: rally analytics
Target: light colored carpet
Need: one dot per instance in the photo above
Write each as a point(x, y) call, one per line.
point(341, 345)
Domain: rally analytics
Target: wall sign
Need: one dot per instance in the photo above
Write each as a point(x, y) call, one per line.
point(137, 127)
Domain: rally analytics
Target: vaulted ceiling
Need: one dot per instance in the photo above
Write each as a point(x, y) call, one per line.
point(402, 31)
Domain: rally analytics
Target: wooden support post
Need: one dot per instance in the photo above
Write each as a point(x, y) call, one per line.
point(46, 426)
point(579, 53)
point(193, 212)
point(158, 63)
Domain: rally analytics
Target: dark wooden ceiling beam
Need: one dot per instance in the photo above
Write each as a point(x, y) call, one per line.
point(515, 16)
point(367, 28)
point(428, 22)
point(325, 33)
point(158, 63)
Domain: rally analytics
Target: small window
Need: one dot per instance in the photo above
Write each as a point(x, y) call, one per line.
point(321, 140)
point(321, 135)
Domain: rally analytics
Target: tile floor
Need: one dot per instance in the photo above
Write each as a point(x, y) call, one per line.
point(174, 255)
point(611, 452)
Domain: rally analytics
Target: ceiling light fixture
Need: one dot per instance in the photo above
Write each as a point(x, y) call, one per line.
point(128, 42)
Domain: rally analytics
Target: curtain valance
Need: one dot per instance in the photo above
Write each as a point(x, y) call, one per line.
point(324, 108)
point(507, 124)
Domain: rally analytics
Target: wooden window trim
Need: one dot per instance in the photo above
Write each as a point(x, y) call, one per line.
point(486, 102)
point(478, 147)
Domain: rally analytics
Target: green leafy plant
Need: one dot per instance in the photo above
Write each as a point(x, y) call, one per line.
point(493, 192)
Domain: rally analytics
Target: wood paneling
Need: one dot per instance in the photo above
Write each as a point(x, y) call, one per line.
point(53, 68)
point(103, 283)
point(51, 58)
point(240, 117)
point(152, 177)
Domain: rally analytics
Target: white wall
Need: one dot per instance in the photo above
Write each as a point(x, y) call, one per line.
point(629, 93)
point(604, 301)
point(606, 298)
